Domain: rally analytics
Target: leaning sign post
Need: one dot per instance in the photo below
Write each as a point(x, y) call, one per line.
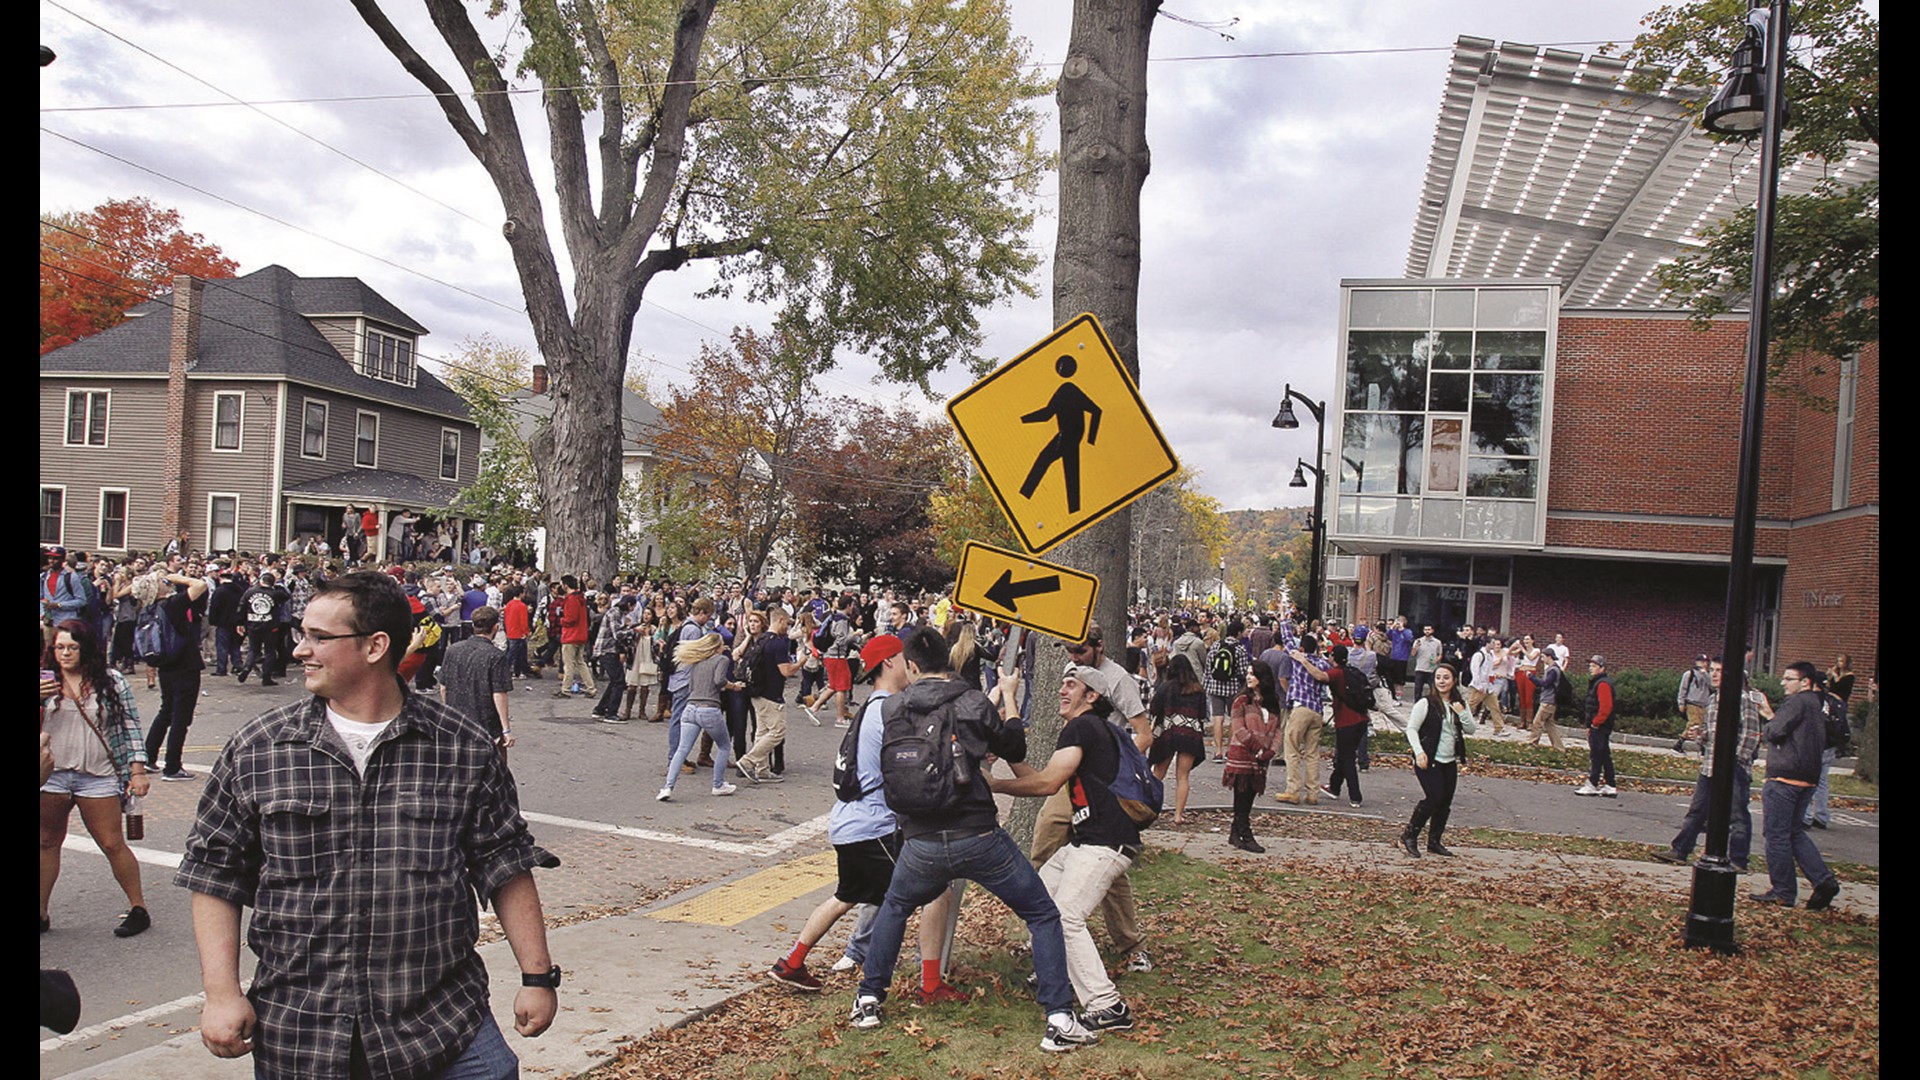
point(1061, 435)
point(1063, 439)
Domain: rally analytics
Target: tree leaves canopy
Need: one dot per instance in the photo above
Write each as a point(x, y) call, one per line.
point(1826, 259)
point(97, 263)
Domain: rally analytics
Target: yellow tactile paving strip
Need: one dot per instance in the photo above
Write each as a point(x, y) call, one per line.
point(735, 903)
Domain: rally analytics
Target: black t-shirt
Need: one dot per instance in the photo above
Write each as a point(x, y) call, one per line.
point(1136, 661)
point(768, 683)
point(1097, 817)
point(185, 614)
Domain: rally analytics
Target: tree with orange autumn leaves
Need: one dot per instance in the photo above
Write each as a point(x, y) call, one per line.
point(95, 264)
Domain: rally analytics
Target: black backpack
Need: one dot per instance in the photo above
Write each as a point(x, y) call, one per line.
point(1563, 692)
point(1220, 664)
point(846, 765)
point(1355, 692)
point(824, 634)
point(155, 639)
point(922, 764)
point(1837, 730)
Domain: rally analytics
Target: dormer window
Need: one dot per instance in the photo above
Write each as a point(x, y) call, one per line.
point(388, 358)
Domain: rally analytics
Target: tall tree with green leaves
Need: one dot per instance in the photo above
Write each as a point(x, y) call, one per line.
point(1826, 255)
point(867, 165)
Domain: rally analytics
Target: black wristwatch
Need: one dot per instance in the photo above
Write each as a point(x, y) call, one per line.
point(549, 979)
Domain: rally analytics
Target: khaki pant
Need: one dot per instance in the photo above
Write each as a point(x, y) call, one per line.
point(1492, 700)
point(771, 719)
point(1543, 718)
point(574, 668)
point(1116, 908)
point(1303, 754)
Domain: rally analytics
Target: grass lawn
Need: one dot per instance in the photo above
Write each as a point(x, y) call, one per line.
point(1278, 967)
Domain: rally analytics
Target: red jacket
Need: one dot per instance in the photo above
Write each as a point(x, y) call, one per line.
point(573, 619)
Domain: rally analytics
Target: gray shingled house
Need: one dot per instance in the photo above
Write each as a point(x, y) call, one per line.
point(249, 411)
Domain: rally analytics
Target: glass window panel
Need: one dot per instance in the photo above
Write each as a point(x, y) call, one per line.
point(1406, 516)
point(52, 503)
point(220, 534)
point(1448, 392)
point(1443, 607)
point(1506, 414)
point(77, 418)
point(1382, 452)
point(1374, 516)
point(113, 519)
point(1492, 570)
point(1499, 522)
point(226, 422)
point(97, 420)
point(449, 455)
point(366, 442)
point(1387, 370)
point(1523, 351)
point(1513, 309)
point(1345, 513)
point(406, 362)
point(314, 433)
point(1450, 349)
point(1453, 307)
point(1427, 566)
point(1440, 519)
point(1501, 478)
point(1383, 308)
point(1443, 455)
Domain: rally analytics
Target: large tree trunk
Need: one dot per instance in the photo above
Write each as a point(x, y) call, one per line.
point(1102, 98)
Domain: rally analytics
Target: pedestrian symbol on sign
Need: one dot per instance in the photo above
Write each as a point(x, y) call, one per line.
point(1073, 415)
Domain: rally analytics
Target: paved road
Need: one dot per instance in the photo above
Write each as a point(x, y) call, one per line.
point(587, 788)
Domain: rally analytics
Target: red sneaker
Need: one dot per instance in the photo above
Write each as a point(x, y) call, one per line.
point(939, 995)
point(796, 978)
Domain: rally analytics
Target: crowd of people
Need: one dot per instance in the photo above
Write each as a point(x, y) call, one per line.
point(417, 665)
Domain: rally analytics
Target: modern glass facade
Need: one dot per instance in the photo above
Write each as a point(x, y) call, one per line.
point(1444, 411)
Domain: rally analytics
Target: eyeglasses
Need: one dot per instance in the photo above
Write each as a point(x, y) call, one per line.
point(315, 635)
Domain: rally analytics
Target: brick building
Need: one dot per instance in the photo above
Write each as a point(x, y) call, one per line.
point(1526, 435)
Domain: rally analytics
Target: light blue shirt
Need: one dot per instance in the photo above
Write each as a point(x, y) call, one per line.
point(868, 818)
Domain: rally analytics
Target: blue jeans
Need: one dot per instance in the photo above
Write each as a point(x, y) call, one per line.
point(1784, 810)
point(928, 864)
point(226, 650)
point(485, 1058)
point(1740, 830)
point(1600, 753)
point(700, 718)
point(673, 721)
point(1818, 811)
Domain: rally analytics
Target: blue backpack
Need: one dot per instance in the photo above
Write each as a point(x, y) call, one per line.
point(1140, 793)
point(155, 640)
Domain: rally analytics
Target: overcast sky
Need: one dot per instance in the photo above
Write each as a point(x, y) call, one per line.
point(1274, 176)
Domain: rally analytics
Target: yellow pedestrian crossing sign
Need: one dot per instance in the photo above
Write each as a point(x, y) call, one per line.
point(1061, 435)
point(1021, 589)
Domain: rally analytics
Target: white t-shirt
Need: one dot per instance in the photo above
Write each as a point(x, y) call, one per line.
point(358, 737)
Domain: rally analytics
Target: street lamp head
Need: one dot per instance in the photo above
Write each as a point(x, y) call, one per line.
point(1285, 418)
point(46, 56)
point(1739, 107)
point(1299, 476)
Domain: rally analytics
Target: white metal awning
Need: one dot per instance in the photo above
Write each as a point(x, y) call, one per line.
point(1545, 165)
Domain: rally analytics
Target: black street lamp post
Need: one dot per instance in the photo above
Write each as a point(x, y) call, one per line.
point(1285, 420)
point(1750, 100)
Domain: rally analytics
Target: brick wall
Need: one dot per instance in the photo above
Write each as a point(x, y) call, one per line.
point(1639, 615)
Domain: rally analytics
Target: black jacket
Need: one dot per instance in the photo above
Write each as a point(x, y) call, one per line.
point(223, 604)
point(1796, 738)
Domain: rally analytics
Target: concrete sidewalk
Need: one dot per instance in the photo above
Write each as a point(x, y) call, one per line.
point(629, 975)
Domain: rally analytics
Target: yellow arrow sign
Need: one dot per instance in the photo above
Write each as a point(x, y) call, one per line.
point(1041, 596)
point(1061, 435)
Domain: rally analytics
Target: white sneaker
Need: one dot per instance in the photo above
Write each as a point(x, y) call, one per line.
point(866, 1013)
point(1609, 792)
point(1586, 789)
point(665, 794)
point(725, 789)
point(845, 963)
point(1139, 961)
point(1070, 1035)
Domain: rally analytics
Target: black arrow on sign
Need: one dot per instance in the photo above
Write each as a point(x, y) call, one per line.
point(1004, 592)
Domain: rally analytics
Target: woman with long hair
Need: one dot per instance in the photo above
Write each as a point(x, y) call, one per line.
point(1179, 712)
point(643, 673)
point(964, 656)
point(1436, 730)
point(706, 660)
point(1257, 718)
point(99, 756)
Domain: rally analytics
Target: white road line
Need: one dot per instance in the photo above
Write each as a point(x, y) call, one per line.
point(150, 856)
point(1849, 819)
point(787, 838)
point(119, 1023)
point(772, 845)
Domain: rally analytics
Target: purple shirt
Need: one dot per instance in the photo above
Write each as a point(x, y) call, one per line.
point(1303, 690)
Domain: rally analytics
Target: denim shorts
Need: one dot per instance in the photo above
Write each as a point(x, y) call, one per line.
point(83, 785)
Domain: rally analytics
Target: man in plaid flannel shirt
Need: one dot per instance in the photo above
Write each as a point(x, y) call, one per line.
point(1306, 703)
point(361, 825)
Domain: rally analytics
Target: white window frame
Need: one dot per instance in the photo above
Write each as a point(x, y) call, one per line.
point(357, 414)
point(1846, 408)
point(326, 414)
point(406, 369)
point(213, 497)
point(455, 432)
point(61, 538)
point(239, 422)
point(126, 513)
point(86, 435)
